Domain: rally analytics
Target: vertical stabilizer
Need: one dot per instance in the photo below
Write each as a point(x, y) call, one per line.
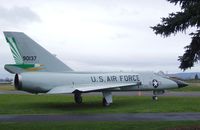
point(30, 56)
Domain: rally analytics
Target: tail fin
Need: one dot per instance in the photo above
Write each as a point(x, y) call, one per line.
point(29, 56)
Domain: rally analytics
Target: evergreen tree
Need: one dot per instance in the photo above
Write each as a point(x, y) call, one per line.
point(188, 17)
point(196, 77)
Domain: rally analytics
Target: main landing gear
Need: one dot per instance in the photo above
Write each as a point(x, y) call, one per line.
point(77, 98)
point(107, 98)
point(105, 103)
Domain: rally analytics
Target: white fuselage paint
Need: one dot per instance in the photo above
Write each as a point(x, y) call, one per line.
point(39, 82)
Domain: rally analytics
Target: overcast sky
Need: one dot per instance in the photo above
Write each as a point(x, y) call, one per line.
point(96, 35)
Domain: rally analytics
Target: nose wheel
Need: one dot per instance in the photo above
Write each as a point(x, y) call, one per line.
point(77, 98)
point(155, 98)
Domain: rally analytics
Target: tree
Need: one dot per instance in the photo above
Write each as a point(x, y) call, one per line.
point(188, 17)
point(196, 77)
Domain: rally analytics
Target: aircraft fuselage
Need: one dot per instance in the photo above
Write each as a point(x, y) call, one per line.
point(42, 82)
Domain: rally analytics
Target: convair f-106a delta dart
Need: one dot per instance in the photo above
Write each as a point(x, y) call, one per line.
point(38, 71)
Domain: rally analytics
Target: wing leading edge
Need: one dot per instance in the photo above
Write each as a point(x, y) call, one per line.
point(88, 88)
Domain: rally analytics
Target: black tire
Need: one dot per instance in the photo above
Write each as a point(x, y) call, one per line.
point(105, 103)
point(155, 98)
point(78, 99)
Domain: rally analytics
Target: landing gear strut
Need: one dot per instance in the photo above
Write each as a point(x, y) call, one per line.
point(77, 98)
point(107, 98)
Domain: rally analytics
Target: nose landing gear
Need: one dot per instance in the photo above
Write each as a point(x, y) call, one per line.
point(157, 92)
point(155, 98)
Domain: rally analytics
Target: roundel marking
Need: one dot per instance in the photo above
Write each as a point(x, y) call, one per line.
point(155, 83)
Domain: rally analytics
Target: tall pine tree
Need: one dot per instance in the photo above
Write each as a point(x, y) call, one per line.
point(188, 17)
point(196, 77)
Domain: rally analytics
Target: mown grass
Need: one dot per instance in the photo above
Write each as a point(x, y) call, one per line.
point(6, 87)
point(136, 125)
point(192, 81)
point(64, 104)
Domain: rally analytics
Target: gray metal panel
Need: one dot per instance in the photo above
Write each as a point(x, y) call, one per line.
point(27, 47)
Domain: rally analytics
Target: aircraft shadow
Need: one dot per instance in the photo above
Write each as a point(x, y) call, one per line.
point(71, 107)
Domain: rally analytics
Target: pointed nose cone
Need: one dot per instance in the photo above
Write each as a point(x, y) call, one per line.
point(180, 83)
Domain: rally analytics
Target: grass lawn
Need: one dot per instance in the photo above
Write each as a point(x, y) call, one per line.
point(6, 87)
point(64, 104)
point(142, 125)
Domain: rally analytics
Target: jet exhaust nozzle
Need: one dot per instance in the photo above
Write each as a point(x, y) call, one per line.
point(17, 82)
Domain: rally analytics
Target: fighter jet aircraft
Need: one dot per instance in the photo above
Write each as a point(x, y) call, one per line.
point(38, 71)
